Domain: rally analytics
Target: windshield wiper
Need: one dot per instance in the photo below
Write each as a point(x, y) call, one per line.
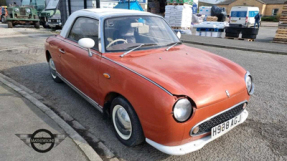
point(136, 47)
point(172, 45)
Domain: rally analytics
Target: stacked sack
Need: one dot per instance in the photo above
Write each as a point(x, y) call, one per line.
point(178, 15)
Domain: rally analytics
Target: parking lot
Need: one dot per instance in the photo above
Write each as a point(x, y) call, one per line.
point(262, 137)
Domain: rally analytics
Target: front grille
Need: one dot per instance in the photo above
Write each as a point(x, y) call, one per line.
point(53, 20)
point(206, 126)
point(22, 11)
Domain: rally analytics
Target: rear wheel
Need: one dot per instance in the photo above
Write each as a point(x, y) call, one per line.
point(37, 25)
point(10, 24)
point(126, 123)
point(53, 71)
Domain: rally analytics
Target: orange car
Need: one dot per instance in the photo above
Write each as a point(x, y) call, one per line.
point(132, 67)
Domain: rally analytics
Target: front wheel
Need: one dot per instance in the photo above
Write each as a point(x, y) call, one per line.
point(53, 71)
point(126, 123)
point(37, 25)
point(10, 24)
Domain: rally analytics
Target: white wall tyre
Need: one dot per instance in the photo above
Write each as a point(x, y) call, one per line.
point(53, 71)
point(126, 123)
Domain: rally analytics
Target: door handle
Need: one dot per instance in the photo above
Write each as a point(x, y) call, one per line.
point(62, 51)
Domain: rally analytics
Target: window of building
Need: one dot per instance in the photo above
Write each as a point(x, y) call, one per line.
point(275, 11)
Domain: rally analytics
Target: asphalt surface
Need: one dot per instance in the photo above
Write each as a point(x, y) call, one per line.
point(262, 137)
point(27, 118)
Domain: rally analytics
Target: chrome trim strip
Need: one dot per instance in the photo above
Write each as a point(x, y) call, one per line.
point(91, 101)
point(252, 88)
point(139, 75)
point(125, 68)
point(213, 117)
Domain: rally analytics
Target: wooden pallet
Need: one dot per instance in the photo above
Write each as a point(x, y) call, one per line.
point(181, 28)
point(235, 38)
point(175, 4)
point(281, 42)
point(280, 39)
point(281, 36)
point(282, 31)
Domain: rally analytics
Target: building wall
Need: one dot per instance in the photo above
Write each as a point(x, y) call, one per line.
point(270, 7)
point(18, 2)
point(76, 5)
point(2, 2)
point(252, 3)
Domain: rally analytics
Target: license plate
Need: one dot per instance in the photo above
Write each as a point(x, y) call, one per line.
point(233, 21)
point(225, 127)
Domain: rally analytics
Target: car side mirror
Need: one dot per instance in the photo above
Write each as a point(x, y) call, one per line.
point(178, 35)
point(87, 43)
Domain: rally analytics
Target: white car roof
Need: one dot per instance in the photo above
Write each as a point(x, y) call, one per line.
point(101, 14)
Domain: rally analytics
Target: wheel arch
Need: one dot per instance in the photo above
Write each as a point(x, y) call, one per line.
point(48, 55)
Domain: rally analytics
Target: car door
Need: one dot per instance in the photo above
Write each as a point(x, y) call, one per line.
point(81, 70)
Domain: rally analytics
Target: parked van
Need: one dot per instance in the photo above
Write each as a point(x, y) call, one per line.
point(243, 16)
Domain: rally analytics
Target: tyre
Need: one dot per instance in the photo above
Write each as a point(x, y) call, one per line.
point(249, 36)
point(231, 35)
point(249, 31)
point(44, 25)
point(233, 30)
point(10, 24)
point(126, 122)
point(37, 25)
point(53, 71)
point(3, 20)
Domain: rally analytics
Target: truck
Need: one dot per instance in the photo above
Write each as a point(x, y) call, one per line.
point(51, 16)
point(26, 14)
point(243, 16)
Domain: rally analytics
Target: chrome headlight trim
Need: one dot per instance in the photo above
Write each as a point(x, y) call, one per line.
point(182, 110)
point(249, 83)
point(16, 10)
point(28, 10)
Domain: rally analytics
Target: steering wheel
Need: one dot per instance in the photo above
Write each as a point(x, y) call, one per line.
point(111, 43)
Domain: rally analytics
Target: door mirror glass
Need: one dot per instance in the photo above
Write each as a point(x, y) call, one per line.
point(87, 43)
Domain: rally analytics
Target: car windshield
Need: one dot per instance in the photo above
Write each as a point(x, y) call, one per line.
point(122, 33)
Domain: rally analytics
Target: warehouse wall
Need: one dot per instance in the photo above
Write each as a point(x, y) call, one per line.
point(270, 7)
point(253, 3)
point(18, 2)
point(2, 2)
point(76, 5)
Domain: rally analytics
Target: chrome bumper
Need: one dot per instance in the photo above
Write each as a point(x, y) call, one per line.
point(191, 146)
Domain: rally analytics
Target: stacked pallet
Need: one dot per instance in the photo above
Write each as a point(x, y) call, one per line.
point(211, 18)
point(178, 16)
point(281, 33)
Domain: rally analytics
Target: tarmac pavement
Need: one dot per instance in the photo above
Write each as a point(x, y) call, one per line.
point(19, 116)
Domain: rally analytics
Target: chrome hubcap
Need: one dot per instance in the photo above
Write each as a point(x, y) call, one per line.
point(122, 122)
point(52, 68)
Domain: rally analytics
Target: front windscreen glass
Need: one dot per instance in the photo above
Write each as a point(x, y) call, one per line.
point(52, 4)
point(123, 33)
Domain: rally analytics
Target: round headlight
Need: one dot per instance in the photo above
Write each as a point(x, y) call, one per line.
point(16, 9)
point(28, 10)
point(249, 83)
point(182, 110)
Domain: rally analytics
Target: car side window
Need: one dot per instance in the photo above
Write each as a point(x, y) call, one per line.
point(85, 28)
